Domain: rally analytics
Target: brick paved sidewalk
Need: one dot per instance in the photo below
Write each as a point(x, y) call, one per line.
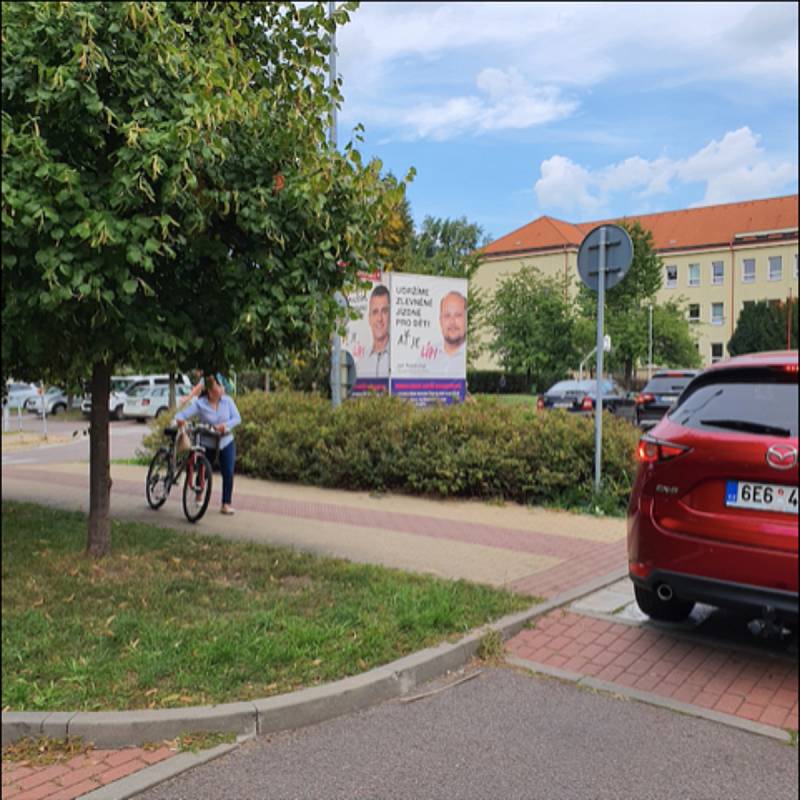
point(78, 776)
point(761, 688)
point(531, 551)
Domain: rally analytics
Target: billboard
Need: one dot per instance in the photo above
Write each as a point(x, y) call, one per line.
point(428, 338)
point(367, 338)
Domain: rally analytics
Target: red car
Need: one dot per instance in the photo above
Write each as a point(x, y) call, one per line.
point(713, 513)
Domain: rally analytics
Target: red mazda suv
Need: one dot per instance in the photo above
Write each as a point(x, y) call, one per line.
point(713, 513)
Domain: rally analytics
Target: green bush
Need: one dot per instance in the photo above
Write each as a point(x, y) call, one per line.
point(482, 448)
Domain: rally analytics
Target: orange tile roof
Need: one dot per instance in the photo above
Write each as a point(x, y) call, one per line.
point(672, 230)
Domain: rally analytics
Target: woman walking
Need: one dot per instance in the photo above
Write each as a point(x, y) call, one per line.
point(217, 409)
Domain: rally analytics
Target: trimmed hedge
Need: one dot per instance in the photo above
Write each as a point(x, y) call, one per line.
point(479, 449)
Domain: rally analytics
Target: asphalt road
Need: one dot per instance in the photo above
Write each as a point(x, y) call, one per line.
point(126, 436)
point(502, 735)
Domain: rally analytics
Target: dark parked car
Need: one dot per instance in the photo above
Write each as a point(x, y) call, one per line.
point(660, 393)
point(579, 397)
point(713, 512)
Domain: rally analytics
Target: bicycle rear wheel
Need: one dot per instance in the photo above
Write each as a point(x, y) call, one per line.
point(197, 487)
point(158, 475)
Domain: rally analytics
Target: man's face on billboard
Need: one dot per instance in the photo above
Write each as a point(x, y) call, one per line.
point(379, 321)
point(453, 319)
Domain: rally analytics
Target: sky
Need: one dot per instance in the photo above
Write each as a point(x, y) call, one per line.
point(580, 111)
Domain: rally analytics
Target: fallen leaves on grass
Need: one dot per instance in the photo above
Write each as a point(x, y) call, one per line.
point(43, 750)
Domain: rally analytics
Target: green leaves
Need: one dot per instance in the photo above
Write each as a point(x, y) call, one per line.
point(140, 149)
point(534, 325)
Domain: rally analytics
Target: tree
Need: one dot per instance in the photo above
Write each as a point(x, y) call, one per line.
point(169, 193)
point(447, 247)
point(763, 326)
point(626, 313)
point(395, 238)
point(534, 326)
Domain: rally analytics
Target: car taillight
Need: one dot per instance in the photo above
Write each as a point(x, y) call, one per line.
point(652, 450)
point(540, 403)
point(644, 398)
point(587, 404)
point(793, 368)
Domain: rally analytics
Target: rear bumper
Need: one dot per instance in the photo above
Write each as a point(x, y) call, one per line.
point(724, 594)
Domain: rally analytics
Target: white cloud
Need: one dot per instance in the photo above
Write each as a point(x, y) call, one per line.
point(576, 44)
point(505, 101)
point(733, 168)
point(565, 184)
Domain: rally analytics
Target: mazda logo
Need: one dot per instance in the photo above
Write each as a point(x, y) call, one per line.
point(782, 456)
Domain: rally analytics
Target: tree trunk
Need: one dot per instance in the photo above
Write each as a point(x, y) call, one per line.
point(99, 540)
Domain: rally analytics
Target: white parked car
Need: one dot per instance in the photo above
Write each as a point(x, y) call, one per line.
point(54, 401)
point(122, 385)
point(146, 402)
point(19, 393)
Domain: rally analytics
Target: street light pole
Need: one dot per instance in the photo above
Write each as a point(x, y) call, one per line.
point(650, 342)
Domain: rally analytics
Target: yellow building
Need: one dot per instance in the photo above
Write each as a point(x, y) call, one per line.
point(716, 259)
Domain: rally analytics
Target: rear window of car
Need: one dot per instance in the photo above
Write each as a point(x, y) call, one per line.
point(666, 385)
point(741, 401)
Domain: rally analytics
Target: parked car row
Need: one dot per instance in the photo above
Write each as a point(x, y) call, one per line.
point(123, 386)
point(580, 397)
point(644, 409)
point(148, 402)
point(660, 393)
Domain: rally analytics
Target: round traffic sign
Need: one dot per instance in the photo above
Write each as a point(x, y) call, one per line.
point(619, 255)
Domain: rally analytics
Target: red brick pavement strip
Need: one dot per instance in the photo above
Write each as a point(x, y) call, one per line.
point(582, 560)
point(753, 687)
point(79, 775)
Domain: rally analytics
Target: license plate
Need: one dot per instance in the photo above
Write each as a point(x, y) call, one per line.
point(667, 399)
point(562, 405)
point(761, 496)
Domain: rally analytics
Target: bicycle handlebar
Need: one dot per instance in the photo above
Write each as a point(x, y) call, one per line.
point(193, 427)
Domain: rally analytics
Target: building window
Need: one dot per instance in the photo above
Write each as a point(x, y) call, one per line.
point(694, 312)
point(717, 313)
point(672, 276)
point(694, 274)
point(748, 270)
point(716, 352)
point(717, 273)
point(775, 268)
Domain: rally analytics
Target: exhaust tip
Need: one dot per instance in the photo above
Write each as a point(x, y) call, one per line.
point(664, 592)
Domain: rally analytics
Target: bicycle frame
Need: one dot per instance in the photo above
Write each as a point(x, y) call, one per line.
point(178, 462)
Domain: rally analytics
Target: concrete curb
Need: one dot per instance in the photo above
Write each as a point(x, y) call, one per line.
point(113, 729)
point(586, 682)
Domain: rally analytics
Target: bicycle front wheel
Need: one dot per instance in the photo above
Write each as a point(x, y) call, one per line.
point(158, 475)
point(197, 487)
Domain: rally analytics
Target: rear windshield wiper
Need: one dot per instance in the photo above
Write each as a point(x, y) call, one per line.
point(750, 427)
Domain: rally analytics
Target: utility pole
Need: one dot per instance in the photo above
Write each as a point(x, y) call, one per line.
point(336, 344)
point(650, 342)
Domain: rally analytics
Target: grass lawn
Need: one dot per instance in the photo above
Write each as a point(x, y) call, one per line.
point(173, 619)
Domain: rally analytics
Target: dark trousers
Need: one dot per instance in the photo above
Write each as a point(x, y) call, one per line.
point(227, 462)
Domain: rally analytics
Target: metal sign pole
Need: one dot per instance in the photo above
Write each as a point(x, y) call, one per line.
point(336, 348)
point(598, 406)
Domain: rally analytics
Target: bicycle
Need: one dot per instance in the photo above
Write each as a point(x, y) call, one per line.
point(168, 465)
